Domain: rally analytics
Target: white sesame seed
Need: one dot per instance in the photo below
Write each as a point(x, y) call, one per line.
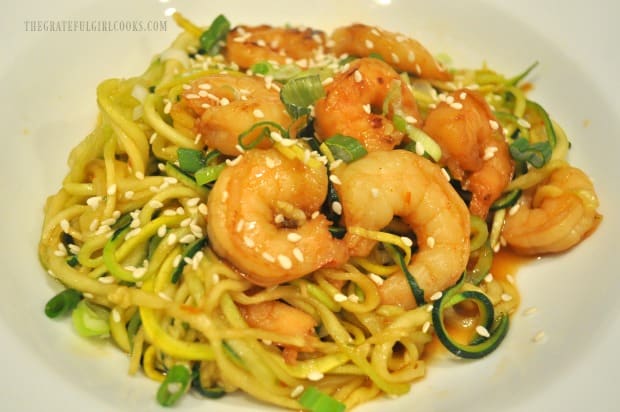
point(60, 253)
point(315, 376)
point(293, 237)
point(94, 202)
point(234, 161)
point(524, 123)
point(430, 242)
point(285, 262)
point(337, 208)
point(395, 58)
point(193, 202)
point(106, 279)
point(514, 209)
point(156, 204)
point(154, 189)
point(268, 257)
point(482, 331)
point(224, 101)
point(426, 326)
point(116, 316)
point(357, 76)
point(445, 174)
point(539, 337)
point(164, 296)
point(376, 278)
point(315, 214)
point(133, 233)
point(177, 260)
point(216, 277)
point(139, 272)
point(169, 212)
point(249, 242)
point(456, 106)
point(139, 175)
point(339, 297)
point(129, 194)
point(161, 231)
point(488, 278)
point(202, 208)
point(334, 179)
point(189, 238)
point(298, 390)
point(109, 221)
point(94, 224)
point(366, 108)
point(75, 249)
point(406, 241)
point(410, 119)
point(489, 152)
point(186, 222)
point(103, 229)
point(411, 56)
point(463, 95)
point(354, 298)
point(88, 295)
point(374, 192)
point(172, 239)
point(429, 308)
point(298, 254)
point(167, 107)
point(494, 125)
point(65, 226)
point(327, 81)
point(369, 44)
point(506, 297)
point(258, 113)
point(436, 296)
point(419, 149)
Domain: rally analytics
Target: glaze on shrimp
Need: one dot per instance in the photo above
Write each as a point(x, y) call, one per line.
point(400, 51)
point(353, 105)
point(386, 184)
point(473, 147)
point(226, 105)
point(263, 218)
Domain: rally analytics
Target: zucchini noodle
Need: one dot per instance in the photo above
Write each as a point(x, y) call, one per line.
point(128, 231)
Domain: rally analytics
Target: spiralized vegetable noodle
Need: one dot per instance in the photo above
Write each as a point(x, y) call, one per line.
point(296, 214)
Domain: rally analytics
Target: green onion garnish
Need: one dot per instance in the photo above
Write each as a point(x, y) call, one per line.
point(281, 73)
point(536, 154)
point(190, 160)
point(217, 31)
point(346, 148)
point(314, 400)
point(62, 303)
point(91, 320)
point(174, 386)
point(209, 174)
point(300, 93)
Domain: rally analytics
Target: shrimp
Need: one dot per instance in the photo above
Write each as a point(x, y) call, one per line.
point(278, 317)
point(555, 215)
point(383, 185)
point(402, 52)
point(226, 105)
point(353, 104)
point(263, 218)
point(473, 147)
point(246, 45)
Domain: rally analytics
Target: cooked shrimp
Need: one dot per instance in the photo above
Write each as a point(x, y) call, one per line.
point(278, 317)
point(227, 105)
point(383, 185)
point(402, 52)
point(247, 45)
point(555, 216)
point(353, 105)
point(473, 147)
point(263, 218)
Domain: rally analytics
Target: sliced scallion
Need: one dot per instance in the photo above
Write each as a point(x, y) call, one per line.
point(346, 148)
point(537, 154)
point(217, 31)
point(91, 320)
point(313, 400)
point(190, 160)
point(208, 174)
point(62, 303)
point(174, 386)
point(300, 93)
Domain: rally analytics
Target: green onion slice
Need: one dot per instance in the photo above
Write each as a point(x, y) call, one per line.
point(209, 174)
point(91, 320)
point(214, 392)
point(280, 73)
point(346, 148)
point(62, 303)
point(314, 400)
point(190, 160)
point(174, 386)
point(265, 133)
point(217, 31)
point(300, 93)
point(536, 154)
point(479, 346)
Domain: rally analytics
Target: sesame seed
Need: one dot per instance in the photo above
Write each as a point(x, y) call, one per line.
point(374, 192)
point(106, 279)
point(514, 209)
point(204, 86)
point(167, 107)
point(94, 224)
point(337, 208)
point(410, 119)
point(139, 273)
point(293, 237)
point(334, 179)
point(357, 76)
point(169, 212)
point(116, 316)
point(456, 106)
point(112, 189)
point(152, 138)
point(524, 123)
point(139, 175)
point(164, 296)
point(298, 254)
point(445, 174)
point(285, 262)
point(156, 204)
point(129, 194)
point(133, 233)
point(65, 226)
point(234, 161)
point(109, 221)
point(376, 278)
point(406, 241)
point(248, 242)
point(430, 242)
point(429, 308)
point(202, 208)
point(161, 231)
point(216, 277)
point(177, 260)
point(192, 96)
point(315, 214)
point(506, 297)
point(482, 331)
point(395, 58)
point(369, 44)
point(186, 222)
point(94, 202)
point(103, 229)
point(298, 390)
point(366, 108)
point(268, 257)
point(353, 298)
point(60, 253)
point(426, 326)
point(172, 239)
point(258, 113)
point(88, 295)
point(463, 95)
point(339, 297)
point(193, 201)
point(436, 296)
point(419, 149)
point(75, 249)
point(224, 101)
point(315, 376)
point(327, 81)
point(189, 238)
point(489, 152)
point(488, 278)
point(539, 337)
point(411, 56)
point(494, 125)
